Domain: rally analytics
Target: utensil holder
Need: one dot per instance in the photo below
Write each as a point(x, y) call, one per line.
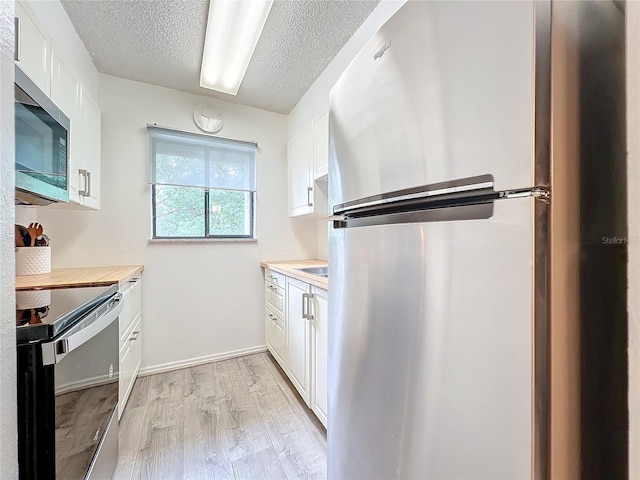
point(32, 299)
point(33, 260)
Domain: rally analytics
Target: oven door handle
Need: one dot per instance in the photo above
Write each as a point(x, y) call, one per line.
point(54, 352)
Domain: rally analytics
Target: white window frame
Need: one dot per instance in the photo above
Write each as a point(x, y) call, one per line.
point(251, 205)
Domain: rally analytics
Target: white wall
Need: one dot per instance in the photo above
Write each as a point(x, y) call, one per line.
point(633, 192)
point(316, 100)
point(8, 434)
point(199, 299)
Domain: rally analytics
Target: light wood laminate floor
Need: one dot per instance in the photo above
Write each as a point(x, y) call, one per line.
point(235, 419)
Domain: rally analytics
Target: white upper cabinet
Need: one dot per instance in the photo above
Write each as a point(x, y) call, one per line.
point(33, 48)
point(89, 165)
point(65, 79)
point(68, 94)
point(299, 165)
point(305, 198)
point(65, 93)
point(321, 146)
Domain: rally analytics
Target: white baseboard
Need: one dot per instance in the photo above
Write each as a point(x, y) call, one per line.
point(192, 362)
point(84, 384)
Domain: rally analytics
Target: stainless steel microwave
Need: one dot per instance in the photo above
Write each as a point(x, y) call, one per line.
point(41, 145)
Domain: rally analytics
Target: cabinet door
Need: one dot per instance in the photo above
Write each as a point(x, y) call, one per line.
point(298, 351)
point(275, 337)
point(320, 347)
point(65, 93)
point(33, 48)
point(131, 291)
point(91, 157)
point(130, 360)
point(299, 168)
point(321, 143)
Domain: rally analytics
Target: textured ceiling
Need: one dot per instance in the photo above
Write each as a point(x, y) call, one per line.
point(161, 41)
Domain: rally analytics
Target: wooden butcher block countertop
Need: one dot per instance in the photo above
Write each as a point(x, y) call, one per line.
point(288, 268)
point(79, 277)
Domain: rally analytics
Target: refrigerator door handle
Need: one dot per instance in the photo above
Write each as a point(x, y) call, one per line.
point(463, 187)
point(463, 199)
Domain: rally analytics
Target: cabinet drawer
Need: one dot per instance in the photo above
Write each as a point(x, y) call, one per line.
point(277, 279)
point(132, 299)
point(130, 359)
point(274, 298)
point(276, 336)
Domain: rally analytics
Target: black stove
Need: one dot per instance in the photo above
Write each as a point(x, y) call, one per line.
point(68, 381)
point(43, 314)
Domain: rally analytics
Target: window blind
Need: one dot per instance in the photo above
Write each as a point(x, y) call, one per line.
point(194, 160)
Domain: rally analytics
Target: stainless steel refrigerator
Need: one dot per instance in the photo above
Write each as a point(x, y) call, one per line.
point(439, 135)
point(477, 312)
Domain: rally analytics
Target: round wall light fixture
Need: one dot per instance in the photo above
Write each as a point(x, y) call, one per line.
point(207, 118)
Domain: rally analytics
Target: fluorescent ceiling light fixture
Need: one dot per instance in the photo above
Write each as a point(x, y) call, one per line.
point(233, 30)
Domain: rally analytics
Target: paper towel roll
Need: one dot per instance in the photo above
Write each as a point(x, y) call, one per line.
point(33, 260)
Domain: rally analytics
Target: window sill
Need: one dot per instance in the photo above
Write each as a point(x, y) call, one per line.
point(202, 240)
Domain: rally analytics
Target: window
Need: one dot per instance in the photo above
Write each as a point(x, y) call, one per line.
point(201, 186)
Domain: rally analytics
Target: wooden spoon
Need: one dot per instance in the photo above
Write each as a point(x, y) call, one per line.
point(39, 229)
point(33, 233)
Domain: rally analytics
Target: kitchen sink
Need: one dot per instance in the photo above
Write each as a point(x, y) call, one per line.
point(319, 271)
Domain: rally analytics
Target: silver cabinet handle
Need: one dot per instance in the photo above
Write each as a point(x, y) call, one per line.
point(310, 297)
point(304, 302)
point(134, 336)
point(54, 352)
point(309, 202)
point(272, 318)
point(134, 280)
point(88, 183)
point(83, 174)
point(16, 51)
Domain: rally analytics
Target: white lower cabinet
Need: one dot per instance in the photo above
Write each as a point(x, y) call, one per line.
point(320, 335)
point(298, 340)
point(276, 336)
point(130, 325)
point(130, 360)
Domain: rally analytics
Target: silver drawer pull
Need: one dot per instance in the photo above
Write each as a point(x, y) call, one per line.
point(134, 336)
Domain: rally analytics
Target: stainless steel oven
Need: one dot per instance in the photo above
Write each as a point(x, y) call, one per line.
point(68, 382)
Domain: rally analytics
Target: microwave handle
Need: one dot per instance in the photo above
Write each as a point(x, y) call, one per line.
point(54, 352)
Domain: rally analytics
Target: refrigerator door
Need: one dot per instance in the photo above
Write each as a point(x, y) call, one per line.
point(430, 367)
point(444, 91)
